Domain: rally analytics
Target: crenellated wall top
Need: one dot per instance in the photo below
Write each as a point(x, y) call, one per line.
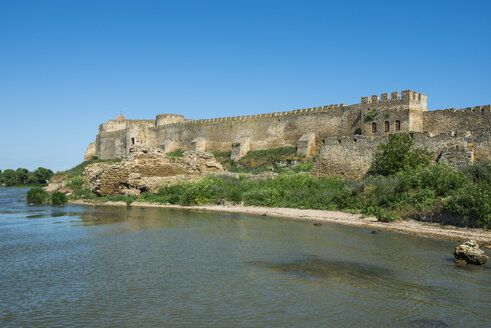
point(295, 112)
point(405, 96)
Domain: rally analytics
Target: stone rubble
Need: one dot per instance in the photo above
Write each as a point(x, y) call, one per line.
point(147, 169)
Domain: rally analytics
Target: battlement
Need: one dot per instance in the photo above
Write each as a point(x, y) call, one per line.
point(164, 119)
point(115, 125)
point(483, 108)
point(296, 112)
point(405, 96)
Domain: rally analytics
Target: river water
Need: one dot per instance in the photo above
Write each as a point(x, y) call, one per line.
point(119, 267)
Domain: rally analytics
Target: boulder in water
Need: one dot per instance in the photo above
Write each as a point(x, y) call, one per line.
point(469, 252)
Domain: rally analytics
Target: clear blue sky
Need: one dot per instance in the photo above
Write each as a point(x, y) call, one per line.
point(67, 66)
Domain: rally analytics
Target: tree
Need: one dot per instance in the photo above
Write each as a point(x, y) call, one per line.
point(10, 177)
point(397, 155)
point(42, 175)
point(22, 175)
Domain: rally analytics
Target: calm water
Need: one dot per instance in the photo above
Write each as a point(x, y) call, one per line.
point(86, 266)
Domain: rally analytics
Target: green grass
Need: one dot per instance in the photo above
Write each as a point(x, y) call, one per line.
point(175, 153)
point(425, 191)
point(78, 171)
point(258, 161)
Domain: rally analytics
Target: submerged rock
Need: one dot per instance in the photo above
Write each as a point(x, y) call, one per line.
point(469, 252)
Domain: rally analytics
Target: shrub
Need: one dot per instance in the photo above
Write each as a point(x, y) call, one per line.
point(370, 116)
point(385, 215)
point(76, 182)
point(37, 196)
point(58, 199)
point(443, 179)
point(472, 204)
point(480, 173)
point(82, 194)
point(396, 155)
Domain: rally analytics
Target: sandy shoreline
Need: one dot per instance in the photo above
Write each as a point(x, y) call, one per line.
point(412, 227)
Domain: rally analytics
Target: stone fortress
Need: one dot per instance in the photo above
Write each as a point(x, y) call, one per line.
point(344, 137)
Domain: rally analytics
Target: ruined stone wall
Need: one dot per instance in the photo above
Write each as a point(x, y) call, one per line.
point(352, 156)
point(348, 157)
point(146, 169)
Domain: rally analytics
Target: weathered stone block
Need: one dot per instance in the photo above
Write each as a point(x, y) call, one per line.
point(240, 148)
point(306, 145)
point(198, 144)
point(169, 146)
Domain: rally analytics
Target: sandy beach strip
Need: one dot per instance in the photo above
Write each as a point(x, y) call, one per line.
point(412, 227)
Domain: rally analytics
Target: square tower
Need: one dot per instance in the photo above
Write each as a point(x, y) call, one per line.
point(395, 114)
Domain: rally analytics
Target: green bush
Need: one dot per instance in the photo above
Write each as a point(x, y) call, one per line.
point(396, 155)
point(58, 198)
point(82, 194)
point(76, 182)
point(385, 215)
point(473, 205)
point(37, 196)
point(443, 179)
point(370, 116)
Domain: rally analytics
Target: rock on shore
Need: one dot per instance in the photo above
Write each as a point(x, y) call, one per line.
point(469, 252)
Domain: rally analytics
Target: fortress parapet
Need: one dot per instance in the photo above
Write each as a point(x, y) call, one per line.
point(296, 112)
point(349, 131)
point(164, 119)
point(483, 108)
point(406, 97)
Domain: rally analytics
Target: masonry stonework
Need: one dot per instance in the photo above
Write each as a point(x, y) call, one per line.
point(329, 131)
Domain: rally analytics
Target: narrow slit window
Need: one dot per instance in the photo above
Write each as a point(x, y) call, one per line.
point(374, 127)
point(132, 141)
point(397, 125)
point(386, 126)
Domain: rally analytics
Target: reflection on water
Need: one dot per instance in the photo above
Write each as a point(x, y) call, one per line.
point(118, 266)
point(326, 269)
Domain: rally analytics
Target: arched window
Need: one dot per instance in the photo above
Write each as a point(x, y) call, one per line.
point(397, 125)
point(386, 126)
point(374, 127)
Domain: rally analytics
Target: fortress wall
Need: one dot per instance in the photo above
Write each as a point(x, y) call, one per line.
point(348, 157)
point(264, 130)
point(466, 119)
point(111, 144)
point(351, 157)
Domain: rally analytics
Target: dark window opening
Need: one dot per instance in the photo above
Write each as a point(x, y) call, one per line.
point(398, 125)
point(386, 126)
point(132, 141)
point(374, 127)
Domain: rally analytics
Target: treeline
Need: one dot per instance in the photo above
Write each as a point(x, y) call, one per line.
point(22, 176)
